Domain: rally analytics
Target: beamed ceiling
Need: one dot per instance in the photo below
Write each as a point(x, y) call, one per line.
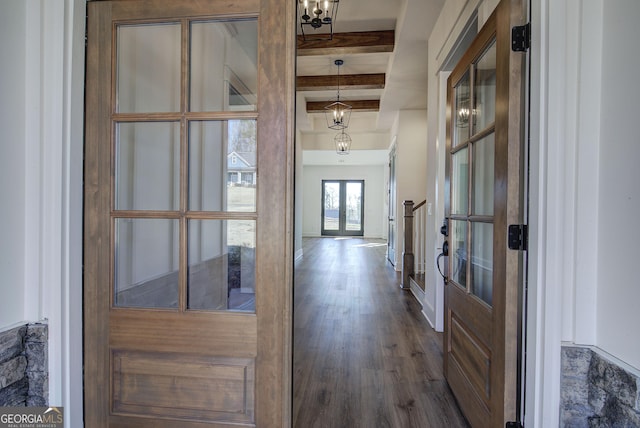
point(383, 44)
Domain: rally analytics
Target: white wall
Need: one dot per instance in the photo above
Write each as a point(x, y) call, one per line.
point(618, 205)
point(12, 161)
point(410, 131)
point(583, 190)
point(374, 195)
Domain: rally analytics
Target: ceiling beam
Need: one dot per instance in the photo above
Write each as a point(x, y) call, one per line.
point(347, 81)
point(356, 105)
point(349, 43)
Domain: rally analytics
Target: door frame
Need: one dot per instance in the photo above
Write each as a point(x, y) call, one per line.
point(544, 314)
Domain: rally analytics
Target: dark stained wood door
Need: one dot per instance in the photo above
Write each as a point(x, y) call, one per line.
point(484, 177)
point(188, 189)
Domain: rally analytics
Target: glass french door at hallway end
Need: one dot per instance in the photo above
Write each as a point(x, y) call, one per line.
point(343, 207)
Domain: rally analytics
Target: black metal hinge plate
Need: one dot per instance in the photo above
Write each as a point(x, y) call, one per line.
point(518, 239)
point(521, 38)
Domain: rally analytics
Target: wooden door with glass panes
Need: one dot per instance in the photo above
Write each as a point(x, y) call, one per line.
point(484, 176)
point(187, 195)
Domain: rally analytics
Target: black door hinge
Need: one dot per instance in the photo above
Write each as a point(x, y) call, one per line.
point(521, 38)
point(518, 238)
point(514, 425)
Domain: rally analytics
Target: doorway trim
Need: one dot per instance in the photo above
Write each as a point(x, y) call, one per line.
point(54, 145)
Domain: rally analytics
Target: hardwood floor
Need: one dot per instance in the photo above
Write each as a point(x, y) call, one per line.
point(364, 356)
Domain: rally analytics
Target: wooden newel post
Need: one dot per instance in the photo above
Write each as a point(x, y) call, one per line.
point(407, 252)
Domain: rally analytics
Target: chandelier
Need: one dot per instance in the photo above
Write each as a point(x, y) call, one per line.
point(316, 14)
point(343, 143)
point(338, 113)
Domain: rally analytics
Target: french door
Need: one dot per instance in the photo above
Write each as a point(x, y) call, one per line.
point(484, 176)
point(187, 274)
point(343, 207)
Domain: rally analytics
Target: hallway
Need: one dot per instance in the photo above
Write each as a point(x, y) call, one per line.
point(364, 356)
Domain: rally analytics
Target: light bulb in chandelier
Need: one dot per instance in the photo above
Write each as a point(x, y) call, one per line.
point(316, 18)
point(343, 143)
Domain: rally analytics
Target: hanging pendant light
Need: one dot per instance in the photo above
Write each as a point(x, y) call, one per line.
point(338, 113)
point(317, 18)
point(343, 143)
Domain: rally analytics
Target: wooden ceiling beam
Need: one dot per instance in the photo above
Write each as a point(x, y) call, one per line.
point(347, 81)
point(349, 43)
point(356, 105)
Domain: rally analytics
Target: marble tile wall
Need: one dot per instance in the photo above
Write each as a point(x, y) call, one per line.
point(24, 378)
point(596, 392)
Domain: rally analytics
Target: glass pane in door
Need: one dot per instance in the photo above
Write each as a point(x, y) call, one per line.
point(148, 68)
point(147, 160)
point(462, 110)
point(484, 108)
point(222, 269)
point(146, 263)
point(458, 252)
point(483, 175)
point(331, 219)
point(354, 206)
point(224, 66)
point(222, 165)
point(482, 261)
point(460, 182)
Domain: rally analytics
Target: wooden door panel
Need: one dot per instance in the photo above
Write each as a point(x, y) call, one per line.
point(468, 359)
point(196, 332)
point(472, 356)
point(476, 410)
point(183, 386)
point(171, 9)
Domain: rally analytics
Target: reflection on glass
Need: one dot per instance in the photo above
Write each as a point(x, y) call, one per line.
point(483, 175)
point(148, 68)
point(460, 182)
point(146, 263)
point(354, 206)
point(222, 265)
point(222, 165)
point(147, 166)
point(482, 261)
point(458, 252)
point(462, 110)
point(331, 219)
point(484, 109)
point(224, 64)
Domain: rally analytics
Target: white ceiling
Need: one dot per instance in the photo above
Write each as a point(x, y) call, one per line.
point(405, 68)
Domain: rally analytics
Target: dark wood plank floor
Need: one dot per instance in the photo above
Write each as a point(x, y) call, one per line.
point(364, 356)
